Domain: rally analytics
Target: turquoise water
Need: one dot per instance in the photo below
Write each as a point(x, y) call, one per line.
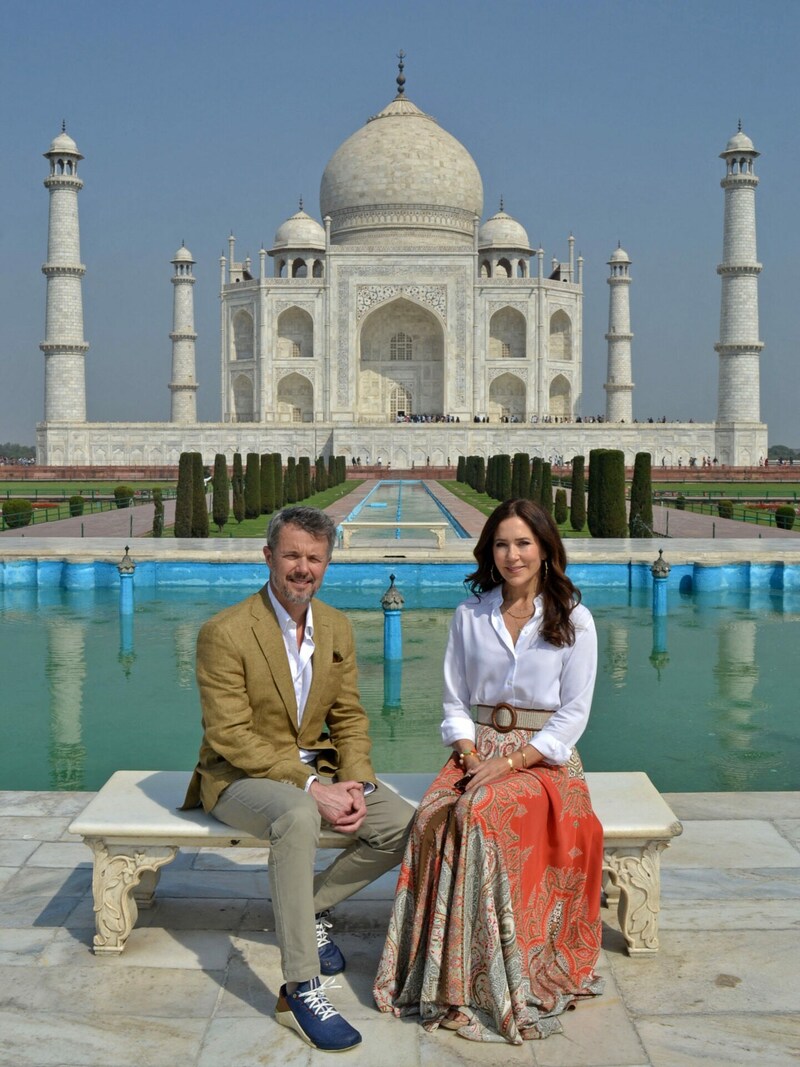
point(401, 501)
point(703, 700)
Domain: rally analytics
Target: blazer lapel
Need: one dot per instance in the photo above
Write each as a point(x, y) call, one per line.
point(322, 658)
point(268, 634)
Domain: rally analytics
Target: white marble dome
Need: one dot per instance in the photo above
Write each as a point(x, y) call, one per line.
point(183, 255)
point(619, 255)
point(503, 231)
point(401, 179)
point(300, 231)
point(63, 145)
point(740, 142)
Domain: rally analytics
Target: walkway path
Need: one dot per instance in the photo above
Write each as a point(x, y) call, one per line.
point(119, 522)
point(689, 524)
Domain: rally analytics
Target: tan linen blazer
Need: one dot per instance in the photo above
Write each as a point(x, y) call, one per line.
point(250, 726)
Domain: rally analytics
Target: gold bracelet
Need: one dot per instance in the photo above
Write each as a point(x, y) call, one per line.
point(524, 759)
point(463, 755)
point(510, 763)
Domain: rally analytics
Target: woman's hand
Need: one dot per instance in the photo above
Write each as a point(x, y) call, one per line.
point(487, 771)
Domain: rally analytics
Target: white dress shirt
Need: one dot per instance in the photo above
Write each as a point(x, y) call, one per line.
point(482, 665)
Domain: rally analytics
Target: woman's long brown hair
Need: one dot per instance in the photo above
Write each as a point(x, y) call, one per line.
point(560, 596)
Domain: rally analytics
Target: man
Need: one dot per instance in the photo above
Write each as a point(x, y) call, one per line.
point(285, 748)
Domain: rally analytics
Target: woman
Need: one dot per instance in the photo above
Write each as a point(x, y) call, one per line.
point(496, 922)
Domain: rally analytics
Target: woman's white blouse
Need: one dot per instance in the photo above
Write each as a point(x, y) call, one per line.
point(483, 666)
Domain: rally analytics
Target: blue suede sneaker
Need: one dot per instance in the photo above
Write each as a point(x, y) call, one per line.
point(310, 1014)
point(331, 960)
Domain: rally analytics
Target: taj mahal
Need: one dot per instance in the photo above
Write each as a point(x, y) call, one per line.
point(401, 329)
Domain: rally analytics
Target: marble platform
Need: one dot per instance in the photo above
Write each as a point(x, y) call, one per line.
point(198, 984)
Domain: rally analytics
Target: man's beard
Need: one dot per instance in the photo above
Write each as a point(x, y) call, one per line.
point(297, 598)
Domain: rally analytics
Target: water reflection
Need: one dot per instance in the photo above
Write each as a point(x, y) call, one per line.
point(66, 672)
point(735, 708)
point(659, 656)
point(617, 654)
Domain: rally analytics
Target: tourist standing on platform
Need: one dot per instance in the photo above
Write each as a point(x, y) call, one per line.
point(496, 924)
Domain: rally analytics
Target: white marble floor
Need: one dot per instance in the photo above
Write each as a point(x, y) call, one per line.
point(197, 982)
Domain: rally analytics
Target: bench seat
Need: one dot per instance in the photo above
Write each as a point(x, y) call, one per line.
point(133, 827)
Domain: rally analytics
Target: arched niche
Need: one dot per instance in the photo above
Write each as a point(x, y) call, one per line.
point(560, 396)
point(507, 334)
point(507, 398)
point(295, 334)
point(560, 336)
point(400, 344)
point(295, 399)
point(243, 335)
point(243, 407)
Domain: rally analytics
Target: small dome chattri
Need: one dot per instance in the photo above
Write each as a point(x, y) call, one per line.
point(183, 255)
point(300, 231)
point(619, 255)
point(503, 231)
point(63, 145)
point(740, 142)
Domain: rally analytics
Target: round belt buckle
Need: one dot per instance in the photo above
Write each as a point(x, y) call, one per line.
point(507, 727)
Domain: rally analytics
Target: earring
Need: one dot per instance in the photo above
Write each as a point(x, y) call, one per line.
point(544, 566)
point(493, 576)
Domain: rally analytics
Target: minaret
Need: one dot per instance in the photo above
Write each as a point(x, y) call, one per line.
point(183, 386)
point(739, 347)
point(64, 347)
point(619, 387)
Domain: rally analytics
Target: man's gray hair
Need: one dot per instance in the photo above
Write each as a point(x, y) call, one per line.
point(311, 520)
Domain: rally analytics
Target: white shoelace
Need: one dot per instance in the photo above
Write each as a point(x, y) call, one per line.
point(322, 932)
point(316, 999)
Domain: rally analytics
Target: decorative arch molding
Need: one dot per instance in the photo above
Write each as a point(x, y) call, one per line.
point(289, 372)
point(560, 396)
point(295, 333)
point(279, 306)
point(432, 296)
point(295, 396)
point(519, 372)
point(560, 336)
point(243, 394)
point(493, 306)
point(242, 326)
point(507, 396)
point(508, 329)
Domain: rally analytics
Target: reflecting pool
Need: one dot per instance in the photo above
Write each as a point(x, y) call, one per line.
point(701, 700)
point(381, 514)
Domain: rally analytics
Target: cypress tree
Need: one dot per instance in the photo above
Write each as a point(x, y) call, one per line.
point(266, 479)
point(220, 502)
point(504, 476)
point(252, 486)
point(199, 506)
point(560, 512)
point(520, 475)
point(303, 478)
point(640, 522)
point(535, 489)
point(290, 482)
point(183, 498)
point(278, 478)
point(577, 506)
point(460, 469)
point(611, 517)
point(333, 476)
point(321, 475)
point(593, 490)
point(238, 487)
point(158, 513)
point(341, 464)
point(546, 497)
point(480, 474)
point(490, 477)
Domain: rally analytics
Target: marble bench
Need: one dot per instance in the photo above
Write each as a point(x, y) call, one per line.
point(133, 827)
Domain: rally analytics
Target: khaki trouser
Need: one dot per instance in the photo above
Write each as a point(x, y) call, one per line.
point(288, 818)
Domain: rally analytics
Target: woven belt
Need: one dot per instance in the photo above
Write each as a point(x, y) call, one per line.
point(505, 717)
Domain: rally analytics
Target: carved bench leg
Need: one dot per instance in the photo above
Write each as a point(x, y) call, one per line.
point(118, 870)
point(636, 873)
point(144, 892)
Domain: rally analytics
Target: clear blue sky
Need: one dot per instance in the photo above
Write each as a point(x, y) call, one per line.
point(601, 118)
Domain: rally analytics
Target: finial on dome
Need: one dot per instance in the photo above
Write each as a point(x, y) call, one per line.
point(64, 126)
point(301, 203)
point(401, 78)
point(740, 125)
point(501, 202)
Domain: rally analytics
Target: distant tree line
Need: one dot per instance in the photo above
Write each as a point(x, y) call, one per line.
point(600, 505)
point(256, 487)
